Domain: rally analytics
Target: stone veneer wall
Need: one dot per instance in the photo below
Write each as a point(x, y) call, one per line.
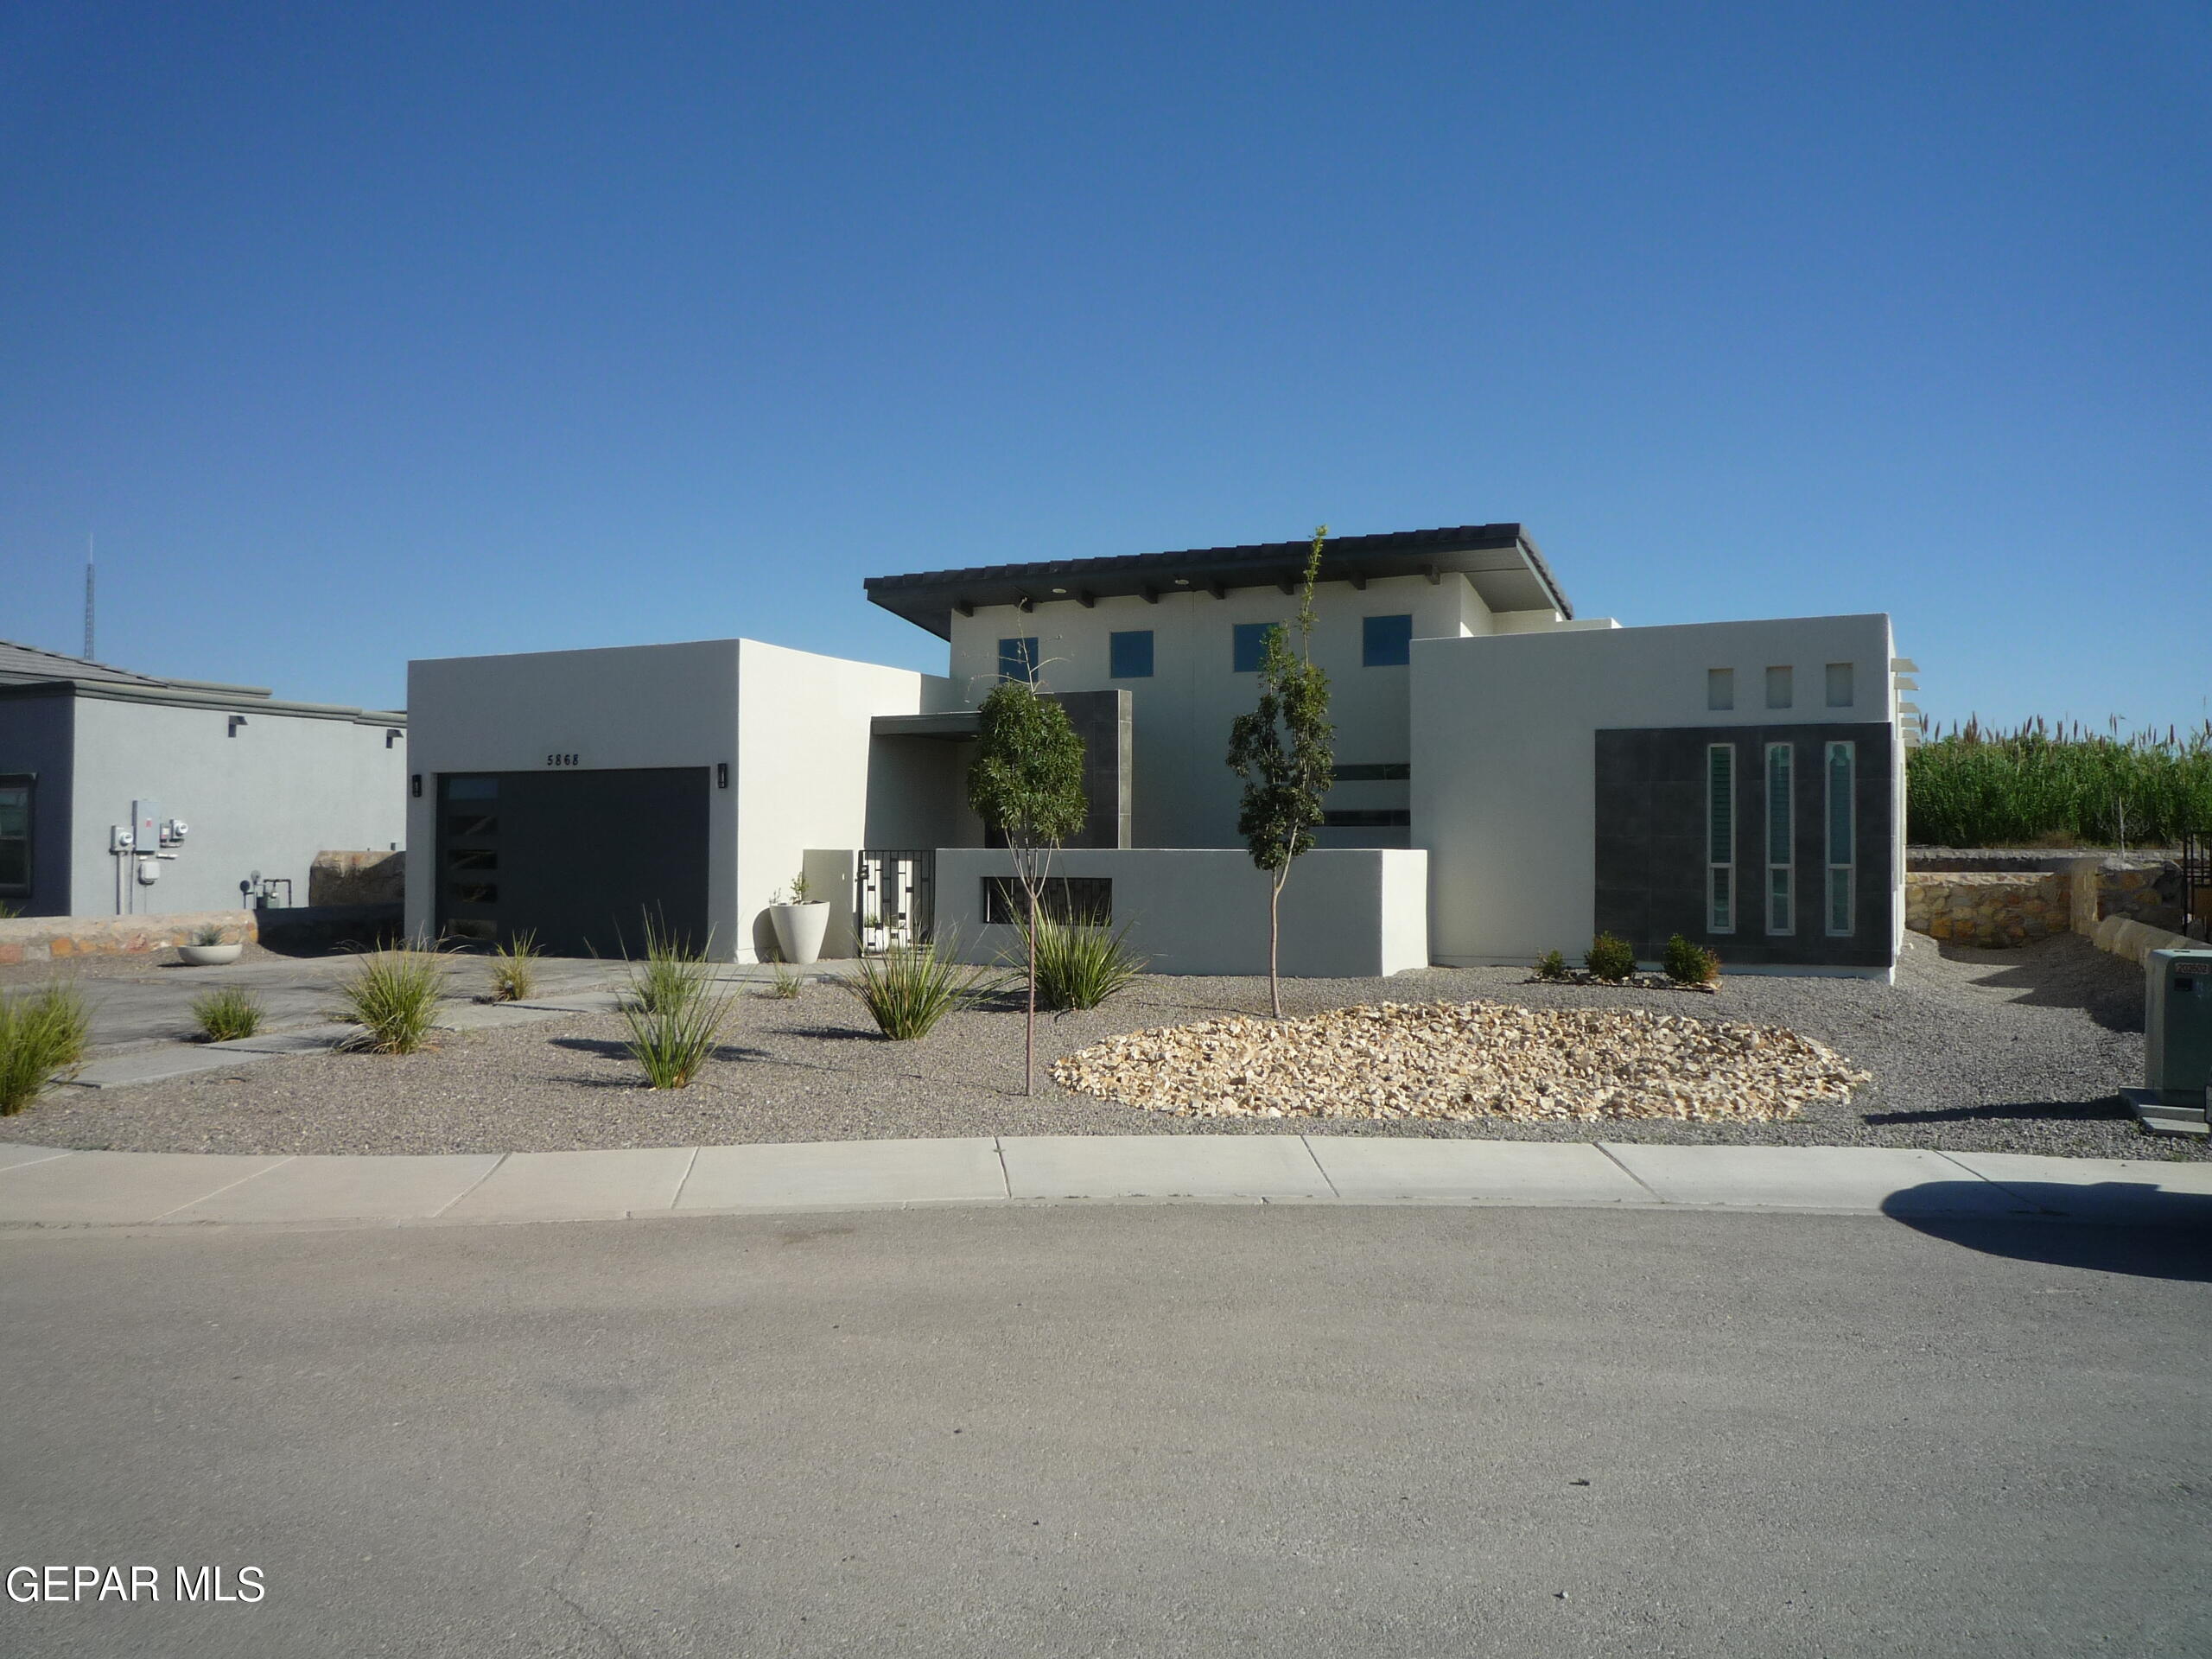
point(2011, 907)
point(60, 939)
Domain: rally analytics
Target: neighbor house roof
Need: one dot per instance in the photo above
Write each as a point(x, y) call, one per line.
point(1500, 560)
point(27, 671)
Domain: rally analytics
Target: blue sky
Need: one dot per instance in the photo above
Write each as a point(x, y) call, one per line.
point(362, 334)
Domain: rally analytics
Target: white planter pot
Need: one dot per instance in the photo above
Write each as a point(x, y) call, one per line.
point(209, 956)
point(800, 929)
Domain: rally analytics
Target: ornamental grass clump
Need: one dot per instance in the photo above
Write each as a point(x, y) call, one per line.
point(910, 987)
point(393, 996)
point(514, 969)
point(43, 1035)
point(1610, 959)
point(1080, 964)
point(226, 1014)
point(672, 975)
point(673, 1041)
point(1691, 964)
point(785, 983)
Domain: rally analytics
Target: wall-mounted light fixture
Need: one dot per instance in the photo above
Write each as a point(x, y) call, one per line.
point(721, 774)
point(414, 786)
point(236, 721)
point(391, 735)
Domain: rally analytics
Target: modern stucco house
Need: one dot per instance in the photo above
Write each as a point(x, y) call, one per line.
point(212, 785)
point(1511, 777)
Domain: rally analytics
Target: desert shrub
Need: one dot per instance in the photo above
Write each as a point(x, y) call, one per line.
point(785, 981)
point(43, 1034)
point(207, 935)
point(227, 1014)
point(1691, 964)
point(1551, 965)
point(8, 912)
point(393, 995)
point(672, 974)
point(1080, 964)
point(910, 987)
point(672, 1044)
point(1973, 787)
point(514, 969)
point(1609, 958)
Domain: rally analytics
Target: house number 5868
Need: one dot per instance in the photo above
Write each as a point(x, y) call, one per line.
point(562, 760)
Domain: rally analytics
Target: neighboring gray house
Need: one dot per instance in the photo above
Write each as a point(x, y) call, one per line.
point(129, 794)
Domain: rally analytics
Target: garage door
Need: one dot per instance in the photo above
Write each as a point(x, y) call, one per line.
point(582, 859)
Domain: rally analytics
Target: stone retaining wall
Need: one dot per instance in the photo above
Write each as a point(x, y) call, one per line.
point(2013, 904)
point(60, 939)
point(375, 877)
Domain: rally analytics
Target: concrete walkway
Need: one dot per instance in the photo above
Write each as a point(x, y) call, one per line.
point(46, 1188)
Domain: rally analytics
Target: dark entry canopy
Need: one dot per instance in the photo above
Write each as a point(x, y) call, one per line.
point(1500, 560)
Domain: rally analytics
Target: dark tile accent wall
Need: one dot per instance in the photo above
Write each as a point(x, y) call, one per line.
point(1651, 844)
point(1104, 721)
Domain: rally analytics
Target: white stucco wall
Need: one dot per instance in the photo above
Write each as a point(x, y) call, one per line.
point(1185, 794)
point(266, 796)
point(1503, 739)
point(1346, 913)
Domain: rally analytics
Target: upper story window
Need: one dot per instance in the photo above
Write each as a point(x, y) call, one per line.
point(1018, 659)
point(1781, 687)
point(1386, 641)
point(1841, 688)
point(1130, 655)
point(1248, 646)
point(1720, 688)
point(14, 835)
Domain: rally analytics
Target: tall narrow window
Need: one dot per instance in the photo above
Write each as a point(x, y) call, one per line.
point(1781, 688)
point(1018, 659)
point(1721, 837)
point(1720, 688)
point(1842, 804)
point(1781, 828)
point(1128, 654)
point(1841, 688)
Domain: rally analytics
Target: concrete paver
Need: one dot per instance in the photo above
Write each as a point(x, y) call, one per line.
point(569, 1186)
point(1161, 1166)
point(303, 1040)
point(490, 1016)
point(345, 1189)
point(118, 1188)
point(12, 1155)
point(1489, 1172)
point(1813, 1178)
point(135, 1066)
point(2101, 1188)
point(795, 1175)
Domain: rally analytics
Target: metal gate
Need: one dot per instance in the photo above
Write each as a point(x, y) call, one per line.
point(2196, 884)
point(896, 898)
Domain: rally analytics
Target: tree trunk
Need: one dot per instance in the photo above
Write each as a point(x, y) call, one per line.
point(1274, 934)
point(1029, 1031)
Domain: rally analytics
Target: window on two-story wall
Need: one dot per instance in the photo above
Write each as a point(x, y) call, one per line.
point(14, 836)
point(1128, 656)
point(1248, 646)
point(1720, 688)
point(1781, 688)
point(1842, 770)
point(1841, 688)
point(1386, 641)
point(1781, 828)
point(1721, 837)
point(1018, 659)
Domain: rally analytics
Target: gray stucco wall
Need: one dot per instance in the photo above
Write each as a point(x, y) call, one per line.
point(35, 724)
point(267, 794)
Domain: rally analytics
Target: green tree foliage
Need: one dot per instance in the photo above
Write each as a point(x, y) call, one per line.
point(1027, 783)
point(1285, 750)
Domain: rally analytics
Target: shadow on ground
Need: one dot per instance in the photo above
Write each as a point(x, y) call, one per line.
point(2129, 1227)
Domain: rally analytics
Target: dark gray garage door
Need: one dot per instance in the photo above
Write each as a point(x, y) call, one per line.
point(582, 859)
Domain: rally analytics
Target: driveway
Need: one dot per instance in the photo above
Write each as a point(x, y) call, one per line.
point(1198, 1430)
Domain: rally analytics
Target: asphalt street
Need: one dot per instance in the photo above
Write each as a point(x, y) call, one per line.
point(1140, 1430)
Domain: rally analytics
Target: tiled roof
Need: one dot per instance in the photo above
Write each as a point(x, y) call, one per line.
point(25, 662)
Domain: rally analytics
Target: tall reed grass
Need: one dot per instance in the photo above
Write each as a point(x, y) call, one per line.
point(1974, 786)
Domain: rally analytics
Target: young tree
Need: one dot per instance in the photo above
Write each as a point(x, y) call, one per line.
point(1285, 750)
point(1027, 782)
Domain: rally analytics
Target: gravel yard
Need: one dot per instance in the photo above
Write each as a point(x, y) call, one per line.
point(2004, 1049)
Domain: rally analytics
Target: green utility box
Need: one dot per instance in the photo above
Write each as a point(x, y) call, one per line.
point(2178, 1026)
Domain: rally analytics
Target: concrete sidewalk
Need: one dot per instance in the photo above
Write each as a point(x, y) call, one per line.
point(48, 1187)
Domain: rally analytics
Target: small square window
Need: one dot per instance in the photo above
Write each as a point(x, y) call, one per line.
point(1386, 641)
point(1781, 688)
point(1018, 659)
point(1130, 655)
point(1249, 645)
point(1720, 688)
point(1841, 688)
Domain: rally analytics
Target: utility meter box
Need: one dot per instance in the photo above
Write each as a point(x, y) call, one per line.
point(2178, 1026)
